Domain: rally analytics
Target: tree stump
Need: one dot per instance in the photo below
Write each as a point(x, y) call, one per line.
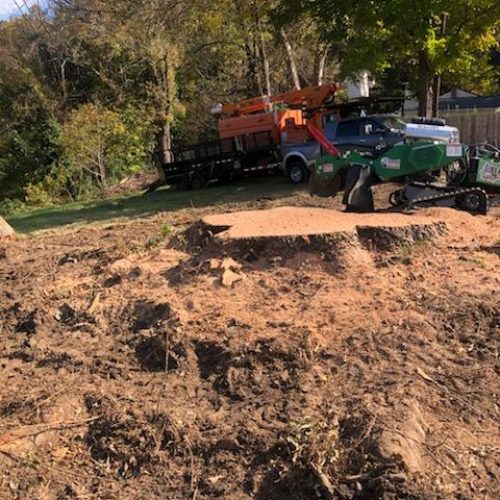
point(5, 229)
point(283, 232)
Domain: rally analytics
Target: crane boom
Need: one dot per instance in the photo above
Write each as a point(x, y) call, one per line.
point(312, 97)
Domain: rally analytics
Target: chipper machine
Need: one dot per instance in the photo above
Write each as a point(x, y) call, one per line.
point(433, 168)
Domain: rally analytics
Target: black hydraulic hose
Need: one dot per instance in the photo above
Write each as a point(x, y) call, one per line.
point(487, 148)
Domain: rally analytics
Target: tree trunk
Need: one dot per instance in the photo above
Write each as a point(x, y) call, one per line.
point(424, 89)
point(64, 86)
point(291, 59)
point(320, 70)
point(254, 85)
point(264, 58)
point(436, 90)
point(101, 165)
point(162, 71)
point(165, 143)
point(5, 229)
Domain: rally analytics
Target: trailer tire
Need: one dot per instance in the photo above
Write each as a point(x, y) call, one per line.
point(297, 171)
point(198, 181)
point(183, 184)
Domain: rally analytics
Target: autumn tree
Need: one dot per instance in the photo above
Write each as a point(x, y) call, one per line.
point(437, 37)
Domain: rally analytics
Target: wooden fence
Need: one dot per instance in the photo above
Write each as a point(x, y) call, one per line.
point(475, 126)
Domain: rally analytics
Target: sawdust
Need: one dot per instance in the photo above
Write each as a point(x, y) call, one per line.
point(296, 221)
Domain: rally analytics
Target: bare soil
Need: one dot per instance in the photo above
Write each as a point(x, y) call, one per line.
point(141, 360)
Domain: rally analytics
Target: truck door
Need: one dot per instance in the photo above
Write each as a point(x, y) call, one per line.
point(348, 135)
point(372, 133)
point(330, 125)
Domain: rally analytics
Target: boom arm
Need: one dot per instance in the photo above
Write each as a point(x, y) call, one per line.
point(313, 97)
point(318, 135)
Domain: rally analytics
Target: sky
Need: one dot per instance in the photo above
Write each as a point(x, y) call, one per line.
point(8, 8)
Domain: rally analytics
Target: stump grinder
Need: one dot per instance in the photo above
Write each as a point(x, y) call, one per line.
point(430, 163)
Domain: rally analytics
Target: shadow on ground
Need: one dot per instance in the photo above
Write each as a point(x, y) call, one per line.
point(162, 200)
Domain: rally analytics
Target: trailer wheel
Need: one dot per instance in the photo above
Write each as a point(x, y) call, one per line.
point(184, 184)
point(297, 172)
point(198, 182)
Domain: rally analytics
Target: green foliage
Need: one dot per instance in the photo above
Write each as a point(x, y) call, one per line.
point(44, 193)
point(377, 35)
point(101, 146)
point(29, 145)
point(10, 207)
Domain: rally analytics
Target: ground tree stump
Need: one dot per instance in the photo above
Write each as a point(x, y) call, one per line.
point(5, 229)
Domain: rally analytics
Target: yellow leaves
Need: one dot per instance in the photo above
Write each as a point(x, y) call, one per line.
point(213, 20)
point(486, 40)
point(179, 110)
point(101, 143)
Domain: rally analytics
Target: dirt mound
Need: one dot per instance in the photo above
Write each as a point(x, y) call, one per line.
point(136, 370)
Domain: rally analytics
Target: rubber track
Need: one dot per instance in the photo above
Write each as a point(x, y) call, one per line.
point(426, 201)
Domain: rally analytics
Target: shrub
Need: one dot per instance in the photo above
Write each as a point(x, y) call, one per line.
point(102, 146)
point(9, 207)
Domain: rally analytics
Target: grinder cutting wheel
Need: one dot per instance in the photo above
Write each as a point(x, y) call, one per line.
point(429, 150)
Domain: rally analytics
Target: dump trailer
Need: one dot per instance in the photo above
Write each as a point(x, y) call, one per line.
point(197, 165)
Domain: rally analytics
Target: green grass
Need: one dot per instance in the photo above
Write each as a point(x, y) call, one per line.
point(140, 205)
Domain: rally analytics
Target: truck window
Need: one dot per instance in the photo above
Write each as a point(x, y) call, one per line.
point(393, 122)
point(331, 118)
point(374, 126)
point(377, 126)
point(348, 129)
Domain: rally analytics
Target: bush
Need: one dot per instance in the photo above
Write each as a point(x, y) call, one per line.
point(39, 195)
point(101, 147)
point(9, 207)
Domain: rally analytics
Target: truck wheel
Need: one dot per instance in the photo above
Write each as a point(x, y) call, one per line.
point(297, 172)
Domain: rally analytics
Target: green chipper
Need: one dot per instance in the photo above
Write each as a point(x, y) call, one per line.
point(430, 164)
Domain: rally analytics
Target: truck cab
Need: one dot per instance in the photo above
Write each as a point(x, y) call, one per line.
point(363, 133)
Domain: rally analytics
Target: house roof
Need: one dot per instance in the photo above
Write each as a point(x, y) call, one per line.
point(470, 102)
point(457, 94)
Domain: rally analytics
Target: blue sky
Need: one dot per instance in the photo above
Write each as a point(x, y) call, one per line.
point(8, 8)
